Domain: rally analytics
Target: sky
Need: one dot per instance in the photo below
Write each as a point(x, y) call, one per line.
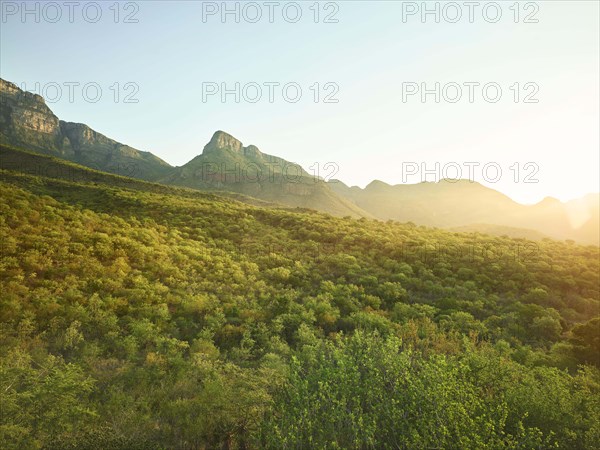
point(511, 90)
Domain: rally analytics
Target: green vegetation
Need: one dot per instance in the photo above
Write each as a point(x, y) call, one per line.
point(142, 316)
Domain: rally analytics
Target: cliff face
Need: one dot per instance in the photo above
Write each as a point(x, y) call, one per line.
point(25, 119)
point(223, 141)
point(27, 122)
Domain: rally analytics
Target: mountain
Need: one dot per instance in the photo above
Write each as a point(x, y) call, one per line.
point(225, 164)
point(463, 203)
point(26, 121)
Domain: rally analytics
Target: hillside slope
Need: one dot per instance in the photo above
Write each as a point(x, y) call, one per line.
point(40, 165)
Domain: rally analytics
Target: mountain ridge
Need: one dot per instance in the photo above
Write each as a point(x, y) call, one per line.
point(26, 121)
point(225, 164)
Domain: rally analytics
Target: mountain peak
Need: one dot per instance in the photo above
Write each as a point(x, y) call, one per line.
point(223, 141)
point(11, 93)
point(549, 201)
point(376, 184)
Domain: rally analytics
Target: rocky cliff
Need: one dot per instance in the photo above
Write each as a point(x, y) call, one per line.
point(26, 121)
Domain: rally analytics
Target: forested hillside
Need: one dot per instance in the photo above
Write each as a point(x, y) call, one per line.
point(139, 316)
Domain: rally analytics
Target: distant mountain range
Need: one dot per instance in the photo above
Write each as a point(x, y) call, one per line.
point(226, 164)
point(469, 206)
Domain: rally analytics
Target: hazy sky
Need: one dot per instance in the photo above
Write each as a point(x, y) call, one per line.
point(173, 55)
